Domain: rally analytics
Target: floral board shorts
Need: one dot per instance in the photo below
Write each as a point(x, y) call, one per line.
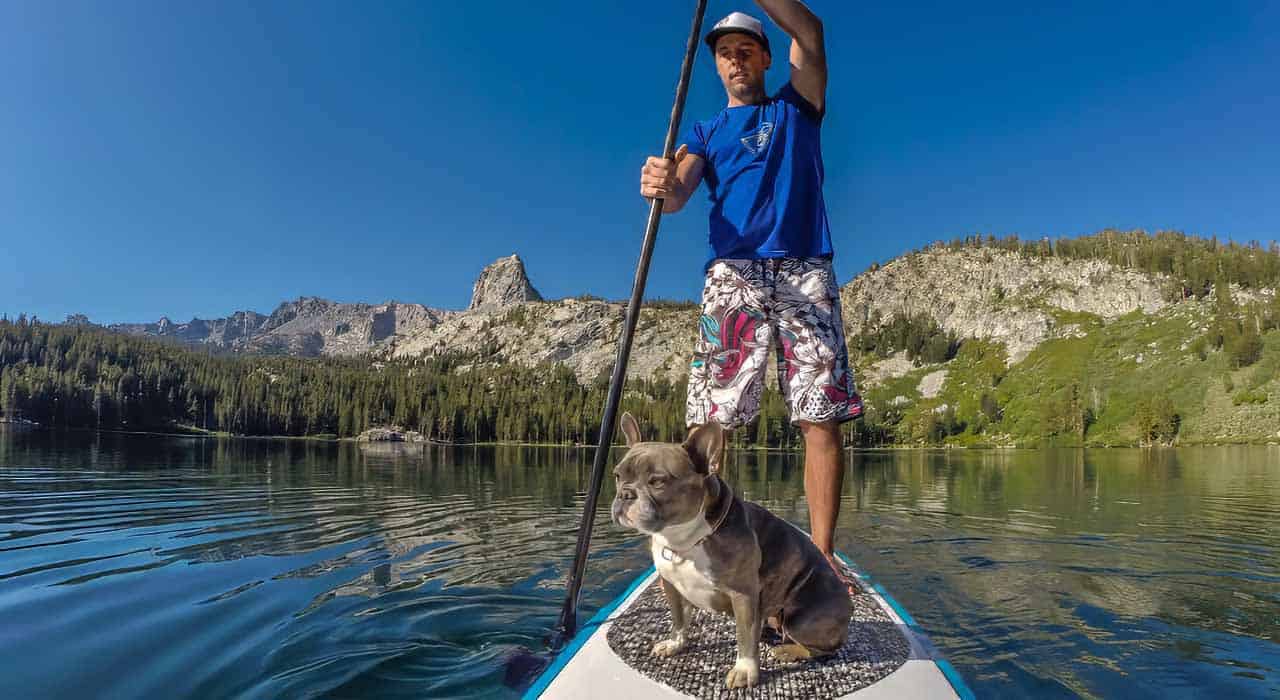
point(746, 305)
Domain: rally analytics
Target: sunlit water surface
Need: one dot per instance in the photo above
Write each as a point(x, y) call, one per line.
point(144, 567)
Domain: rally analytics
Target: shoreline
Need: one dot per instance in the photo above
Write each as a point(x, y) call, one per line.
point(196, 433)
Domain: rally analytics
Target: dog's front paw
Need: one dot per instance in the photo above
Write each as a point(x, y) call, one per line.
point(744, 674)
point(668, 647)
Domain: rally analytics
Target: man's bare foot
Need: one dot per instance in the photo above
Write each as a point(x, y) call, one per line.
point(846, 577)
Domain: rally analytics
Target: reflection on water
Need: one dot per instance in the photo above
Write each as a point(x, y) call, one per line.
point(159, 567)
point(1074, 572)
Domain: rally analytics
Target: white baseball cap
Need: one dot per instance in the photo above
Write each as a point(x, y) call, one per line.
point(742, 24)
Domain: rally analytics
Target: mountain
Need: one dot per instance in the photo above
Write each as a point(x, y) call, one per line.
point(1113, 338)
point(314, 327)
point(1070, 351)
point(507, 316)
point(304, 327)
point(502, 284)
point(996, 295)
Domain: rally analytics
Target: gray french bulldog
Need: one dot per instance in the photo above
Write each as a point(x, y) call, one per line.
point(723, 554)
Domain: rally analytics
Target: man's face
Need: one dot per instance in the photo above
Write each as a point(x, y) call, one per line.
point(741, 62)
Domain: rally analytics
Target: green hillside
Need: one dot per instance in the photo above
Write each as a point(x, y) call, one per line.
point(1137, 380)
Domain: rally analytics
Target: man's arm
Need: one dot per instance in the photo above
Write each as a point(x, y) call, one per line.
point(674, 180)
point(808, 51)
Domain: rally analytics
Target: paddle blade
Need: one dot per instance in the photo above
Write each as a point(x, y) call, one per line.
point(523, 668)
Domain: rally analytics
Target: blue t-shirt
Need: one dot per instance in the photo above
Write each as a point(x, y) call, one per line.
point(764, 176)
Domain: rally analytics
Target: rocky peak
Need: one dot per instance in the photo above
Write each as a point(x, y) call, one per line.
point(503, 283)
point(302, 306)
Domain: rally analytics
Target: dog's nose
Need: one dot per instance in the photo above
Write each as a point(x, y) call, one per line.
point(627, 493)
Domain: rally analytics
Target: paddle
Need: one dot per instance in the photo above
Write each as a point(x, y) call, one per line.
point(520, 668)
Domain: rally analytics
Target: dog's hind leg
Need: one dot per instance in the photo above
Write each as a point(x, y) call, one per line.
point(815, 630)
point(808, 639)
point(812, 642)
point(680, 614)
point(787, 653)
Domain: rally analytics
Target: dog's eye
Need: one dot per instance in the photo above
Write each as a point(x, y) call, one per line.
point(657, 482)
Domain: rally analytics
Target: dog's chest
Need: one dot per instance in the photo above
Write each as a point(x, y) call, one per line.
point(690, 574)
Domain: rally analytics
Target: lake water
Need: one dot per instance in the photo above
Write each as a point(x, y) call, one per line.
point(145, 567)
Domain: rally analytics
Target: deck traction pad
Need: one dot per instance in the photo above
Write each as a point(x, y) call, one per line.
point(875, 648)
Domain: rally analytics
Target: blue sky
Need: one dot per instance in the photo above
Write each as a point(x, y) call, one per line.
point(190, 159)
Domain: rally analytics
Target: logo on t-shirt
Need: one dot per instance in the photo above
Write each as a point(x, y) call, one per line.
point(757, 142)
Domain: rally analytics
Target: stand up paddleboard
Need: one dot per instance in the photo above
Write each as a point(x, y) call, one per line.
point(609, 657)
point(885, 656)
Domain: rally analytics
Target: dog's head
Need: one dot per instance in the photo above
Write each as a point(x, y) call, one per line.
point(662, 484)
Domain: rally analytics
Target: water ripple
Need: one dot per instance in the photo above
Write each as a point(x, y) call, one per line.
point(256, 569)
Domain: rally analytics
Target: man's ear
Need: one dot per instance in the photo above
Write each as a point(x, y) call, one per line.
point(705, 445)
point(630, 429)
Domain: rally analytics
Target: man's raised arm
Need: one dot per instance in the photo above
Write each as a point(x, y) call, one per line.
point(808, 52)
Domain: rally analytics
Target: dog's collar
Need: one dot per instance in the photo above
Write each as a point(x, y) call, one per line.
point(725, 498)
point(725, 502)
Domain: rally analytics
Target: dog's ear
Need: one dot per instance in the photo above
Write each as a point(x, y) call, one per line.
point(630, 429)
point(705, 445)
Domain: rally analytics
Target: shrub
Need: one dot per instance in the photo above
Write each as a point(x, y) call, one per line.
point(1257, 396)
point(1265, 371)
point(1156, 420)
point(675, 304)
point(1245, 348)
point(1200, 348)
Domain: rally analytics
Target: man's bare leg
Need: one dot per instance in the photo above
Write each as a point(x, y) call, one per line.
point(823, 483)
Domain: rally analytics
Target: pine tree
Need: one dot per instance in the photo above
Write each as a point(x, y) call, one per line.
point(990, 408)
point(8, 394)
point(1225, 314)
point(1245, 348)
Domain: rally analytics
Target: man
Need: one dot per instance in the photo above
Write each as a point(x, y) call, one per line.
point(769, 276)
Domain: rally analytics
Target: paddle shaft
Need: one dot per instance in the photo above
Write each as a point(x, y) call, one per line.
point(569, 615)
